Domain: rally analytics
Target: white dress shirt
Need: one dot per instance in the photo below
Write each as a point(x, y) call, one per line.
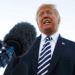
point(53, 42)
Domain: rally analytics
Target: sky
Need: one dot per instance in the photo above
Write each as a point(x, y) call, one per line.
point(15, 11)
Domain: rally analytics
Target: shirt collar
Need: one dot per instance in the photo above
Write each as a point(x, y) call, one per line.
point(53, 36)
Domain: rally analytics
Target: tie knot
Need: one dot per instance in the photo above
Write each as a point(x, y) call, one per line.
point(47, 38)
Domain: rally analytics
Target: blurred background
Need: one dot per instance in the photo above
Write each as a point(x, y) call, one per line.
point(14, 11)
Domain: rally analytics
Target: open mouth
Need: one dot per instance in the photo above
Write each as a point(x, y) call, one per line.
point(46, 21)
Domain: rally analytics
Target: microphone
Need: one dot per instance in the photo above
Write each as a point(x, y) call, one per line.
point(18, 41)
point(21, 37)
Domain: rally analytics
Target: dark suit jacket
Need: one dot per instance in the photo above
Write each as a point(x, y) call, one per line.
point(62, 62)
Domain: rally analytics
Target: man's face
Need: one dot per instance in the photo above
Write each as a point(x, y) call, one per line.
point(47, 20)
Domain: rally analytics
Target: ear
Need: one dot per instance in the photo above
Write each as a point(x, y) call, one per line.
point(37, 20)
point(58, 19)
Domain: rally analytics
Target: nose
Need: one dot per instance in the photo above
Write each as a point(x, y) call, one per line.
point(46, 14)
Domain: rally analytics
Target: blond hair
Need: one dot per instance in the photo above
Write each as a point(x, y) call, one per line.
point(51, 6)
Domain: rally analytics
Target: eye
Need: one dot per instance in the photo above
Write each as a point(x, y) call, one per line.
point(41, 13)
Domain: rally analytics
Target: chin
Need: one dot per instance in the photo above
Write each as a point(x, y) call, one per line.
point(48, 32)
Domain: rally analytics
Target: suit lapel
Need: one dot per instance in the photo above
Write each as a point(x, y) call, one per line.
point(60, 46)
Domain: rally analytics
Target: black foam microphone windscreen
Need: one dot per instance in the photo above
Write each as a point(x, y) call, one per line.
point(21, 37)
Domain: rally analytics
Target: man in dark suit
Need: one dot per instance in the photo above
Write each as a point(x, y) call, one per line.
point(62, 61)
point(62, 51)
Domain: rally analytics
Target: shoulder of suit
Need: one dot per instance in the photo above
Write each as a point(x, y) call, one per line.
point(68, 41)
